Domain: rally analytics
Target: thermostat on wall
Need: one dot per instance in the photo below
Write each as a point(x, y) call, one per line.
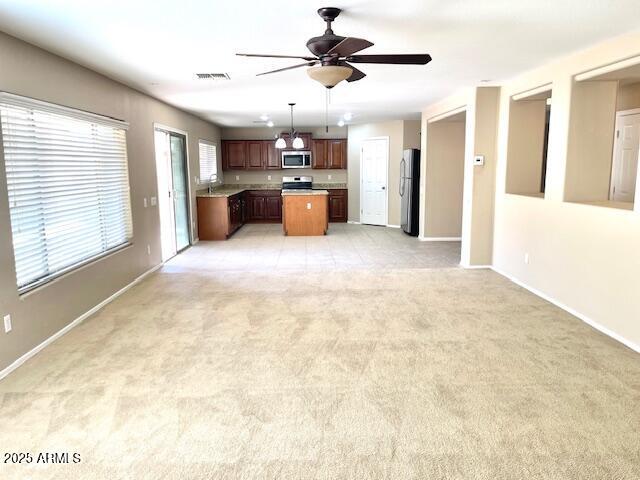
point(478, 160)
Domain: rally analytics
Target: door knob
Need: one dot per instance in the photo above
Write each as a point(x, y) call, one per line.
point(384, 188)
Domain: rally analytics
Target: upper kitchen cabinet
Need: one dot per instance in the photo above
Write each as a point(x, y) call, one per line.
point(319, 153)
point(273, 158)
point(330, 153)
point(255, 158)
point(234, 154)
point(263, 154)
point(337, 153)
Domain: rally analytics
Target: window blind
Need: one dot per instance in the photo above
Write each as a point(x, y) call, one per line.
point(208, 162)
point(68, 186)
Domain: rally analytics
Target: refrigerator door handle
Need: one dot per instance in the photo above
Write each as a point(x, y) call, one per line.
point(402, 173)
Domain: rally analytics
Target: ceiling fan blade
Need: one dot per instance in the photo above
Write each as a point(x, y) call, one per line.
point(355, 75)
point(274, 56)
point(402, 59)
point(305, 64)
point(349, 46)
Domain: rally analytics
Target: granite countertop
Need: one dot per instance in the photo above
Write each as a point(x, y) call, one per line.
point(304, 192)
point(230, 190)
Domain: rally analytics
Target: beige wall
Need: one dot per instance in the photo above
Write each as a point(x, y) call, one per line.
point(357, 133)
point(584, 257)
point(411, 134)
point(628, 97)
point(481, 106)
point(444, 178)
point(526, 145)
point(590, 147)
point(32, 72)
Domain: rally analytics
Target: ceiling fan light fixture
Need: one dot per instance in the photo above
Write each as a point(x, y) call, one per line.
point(329, 75)
point(281, 143)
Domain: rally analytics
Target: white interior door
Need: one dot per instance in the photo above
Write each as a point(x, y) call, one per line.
point(374, 160)
point(624, 169)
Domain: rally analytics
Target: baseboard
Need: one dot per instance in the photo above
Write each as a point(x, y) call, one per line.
point(610, 333)
point(475, 267)
point(393, 226)
point(352, 222)
point(440, 239)
point(17, 363)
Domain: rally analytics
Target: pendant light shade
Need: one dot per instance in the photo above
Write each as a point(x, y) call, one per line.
point(280, 143)
point(329, 75)
point(298, 143)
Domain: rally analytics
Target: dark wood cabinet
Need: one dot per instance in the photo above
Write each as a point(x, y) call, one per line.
point(254, 155)
point(319, 153)
point(264, 205)
point(273, 155)
point(337, 153)
point(329, 153)
point(273, 208)
point(263, 154)
point(338, 205)
point(234, 154)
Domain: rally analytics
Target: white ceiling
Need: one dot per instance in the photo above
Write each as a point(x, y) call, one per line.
point(157, 47)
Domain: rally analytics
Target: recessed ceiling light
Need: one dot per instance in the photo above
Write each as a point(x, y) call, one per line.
point(341, 123)
point(348, 116)
point(269, 123)
point(264, 117)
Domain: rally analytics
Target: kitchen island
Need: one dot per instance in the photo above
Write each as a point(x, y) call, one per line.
point(305, 212)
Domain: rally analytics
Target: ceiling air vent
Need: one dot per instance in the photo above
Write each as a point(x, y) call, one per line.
point(213, 76)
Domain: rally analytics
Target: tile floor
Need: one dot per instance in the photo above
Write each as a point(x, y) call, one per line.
point(263, 246)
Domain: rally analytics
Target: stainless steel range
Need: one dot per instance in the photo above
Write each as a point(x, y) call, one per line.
point(297, 183)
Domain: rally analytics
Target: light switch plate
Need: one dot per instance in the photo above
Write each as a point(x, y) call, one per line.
point(145, 202)
point(308, 205)
point(268, 177)
point(329, 177)
point(154, 201)
point(237, 177)
point(478, 160)
point(7, 323)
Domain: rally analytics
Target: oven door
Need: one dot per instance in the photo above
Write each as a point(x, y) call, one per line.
point(296, 159)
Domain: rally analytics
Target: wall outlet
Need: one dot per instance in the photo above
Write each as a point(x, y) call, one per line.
point(197, 180)
point(144, 200)
point(7, 323)
point(329, 177)
point(478, 160)
point(148, 249)
point(308, 205)
point(268, 177)
point(154, 201)
point(526, 258)
point(237, 177)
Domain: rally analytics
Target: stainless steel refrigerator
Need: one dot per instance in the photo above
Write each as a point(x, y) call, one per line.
point(410, 191)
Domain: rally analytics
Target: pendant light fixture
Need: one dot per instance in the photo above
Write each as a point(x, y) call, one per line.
point(296, 141)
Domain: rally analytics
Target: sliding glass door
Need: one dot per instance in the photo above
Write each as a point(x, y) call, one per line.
point(171, 161)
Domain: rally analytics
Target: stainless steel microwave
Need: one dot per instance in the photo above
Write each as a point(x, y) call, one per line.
point(296, 159)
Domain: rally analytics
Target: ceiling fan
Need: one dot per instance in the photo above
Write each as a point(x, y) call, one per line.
point(335, 55)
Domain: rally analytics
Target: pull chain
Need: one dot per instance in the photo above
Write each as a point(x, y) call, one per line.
point(326, 111)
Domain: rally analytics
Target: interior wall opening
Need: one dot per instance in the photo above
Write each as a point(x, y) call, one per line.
point(529, 122)
point(446, 140)
point(604, 140)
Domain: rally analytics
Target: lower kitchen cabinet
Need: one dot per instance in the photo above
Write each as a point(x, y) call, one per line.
point(264, 206)
point(338, 205)
point(219, 217)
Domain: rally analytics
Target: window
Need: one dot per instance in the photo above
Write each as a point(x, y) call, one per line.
point(68, 187)
point(208, 162)
point(529, 116)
